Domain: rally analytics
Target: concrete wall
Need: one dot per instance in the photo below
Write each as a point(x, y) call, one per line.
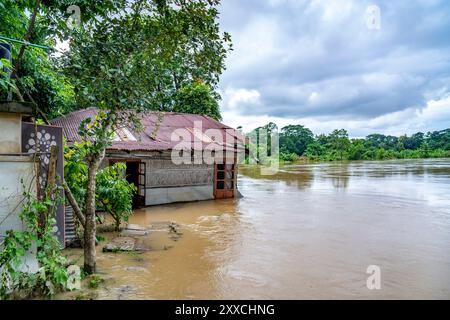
point(157, 196)
point(168, 183)
point(164, 173)
point(10, 133)
point(12, 170)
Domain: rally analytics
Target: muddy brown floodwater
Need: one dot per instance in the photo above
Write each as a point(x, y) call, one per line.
point(308, 232)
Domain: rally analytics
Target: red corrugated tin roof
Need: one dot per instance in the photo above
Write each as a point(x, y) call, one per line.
point(163, 139)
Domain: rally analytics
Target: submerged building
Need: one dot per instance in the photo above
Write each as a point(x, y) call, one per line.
point(175, 157)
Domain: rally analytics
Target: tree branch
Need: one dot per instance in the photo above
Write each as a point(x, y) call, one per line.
point(73, 202)
point(26, 37)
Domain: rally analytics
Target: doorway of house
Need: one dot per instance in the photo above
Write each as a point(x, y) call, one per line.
point(135, 174)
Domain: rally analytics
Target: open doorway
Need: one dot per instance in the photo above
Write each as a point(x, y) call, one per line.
point(136, 174)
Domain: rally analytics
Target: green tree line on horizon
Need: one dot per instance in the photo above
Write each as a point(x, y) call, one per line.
point(296, 141)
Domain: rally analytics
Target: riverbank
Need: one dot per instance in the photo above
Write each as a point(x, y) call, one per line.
point(312, 160)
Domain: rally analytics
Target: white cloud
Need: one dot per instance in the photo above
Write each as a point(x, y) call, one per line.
point(240, 98)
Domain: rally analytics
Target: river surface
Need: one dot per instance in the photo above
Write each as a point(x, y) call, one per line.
point(308, 232)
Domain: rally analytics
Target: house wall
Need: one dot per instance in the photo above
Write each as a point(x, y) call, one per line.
point(169, 183)
point(157, 196)
point(12, 170)
point(10, 133)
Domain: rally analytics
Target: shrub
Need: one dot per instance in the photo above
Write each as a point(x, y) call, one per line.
point(114, 193)
point(289, 157)
point(52, 275)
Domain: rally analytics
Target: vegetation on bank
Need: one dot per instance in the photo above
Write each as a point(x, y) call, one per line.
point(297, 141)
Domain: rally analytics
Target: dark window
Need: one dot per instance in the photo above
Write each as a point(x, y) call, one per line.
point(220, 185)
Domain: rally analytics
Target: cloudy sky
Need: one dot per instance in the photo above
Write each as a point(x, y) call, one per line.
point(331, 64)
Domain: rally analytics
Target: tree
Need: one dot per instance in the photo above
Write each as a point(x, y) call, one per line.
point(315, 150)
point(439, 139)
point(295, 138)
point(197, 98)
point(356, 150)
point(34, 78)
point(415, 141)
point(339, 142)
point(122, 66)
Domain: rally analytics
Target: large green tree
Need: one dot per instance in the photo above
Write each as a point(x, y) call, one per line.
point(295, 139)
point(43, 22)
point(134, 61)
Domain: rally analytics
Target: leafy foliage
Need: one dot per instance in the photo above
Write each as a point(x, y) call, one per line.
point(37, 77)
point(115, 193)
point(197, 98)
point(75, 171)
point(52, 274)
point(5, 82)
point(296, 141)
point(289, 157)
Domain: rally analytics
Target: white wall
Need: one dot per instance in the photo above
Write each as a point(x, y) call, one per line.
point(12, 170)
point(10, 133)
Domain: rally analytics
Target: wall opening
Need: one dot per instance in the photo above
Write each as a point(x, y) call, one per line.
point(224, 180)
point(136, 174)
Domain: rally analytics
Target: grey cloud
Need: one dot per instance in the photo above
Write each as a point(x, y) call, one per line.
point(318, 58)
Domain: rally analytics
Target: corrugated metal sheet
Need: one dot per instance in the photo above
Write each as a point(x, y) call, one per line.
point(164, 124)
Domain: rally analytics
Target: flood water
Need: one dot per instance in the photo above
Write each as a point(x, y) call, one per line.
point(308, 232)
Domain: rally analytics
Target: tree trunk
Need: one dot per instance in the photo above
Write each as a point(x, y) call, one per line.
point(90, 229)
point(74, 204)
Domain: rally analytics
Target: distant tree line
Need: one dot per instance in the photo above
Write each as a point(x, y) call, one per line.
point(298, 141)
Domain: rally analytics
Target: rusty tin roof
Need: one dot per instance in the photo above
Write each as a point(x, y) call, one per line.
point(166, 123)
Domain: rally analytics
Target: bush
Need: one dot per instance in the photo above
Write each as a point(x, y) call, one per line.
point(114, 193)
point(52, 275)
point(288, 157)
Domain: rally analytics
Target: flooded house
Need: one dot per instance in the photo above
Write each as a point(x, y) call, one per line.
point(175, 157)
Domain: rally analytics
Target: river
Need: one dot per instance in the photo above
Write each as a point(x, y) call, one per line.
point(308, 232)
